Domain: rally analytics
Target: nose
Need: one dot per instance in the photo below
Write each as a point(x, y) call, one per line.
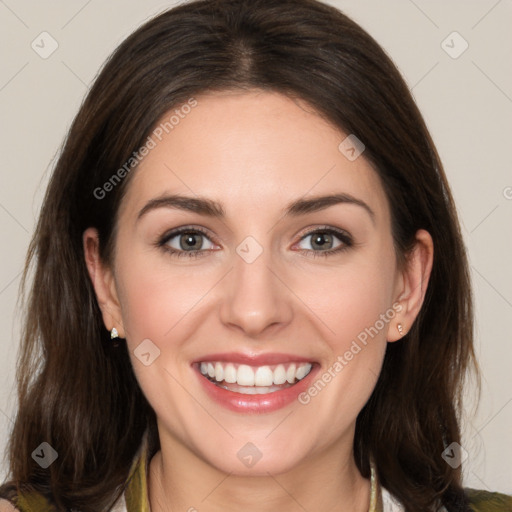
point(255, 296)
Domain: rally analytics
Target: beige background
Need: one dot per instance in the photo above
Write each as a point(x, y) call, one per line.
point(466, 101)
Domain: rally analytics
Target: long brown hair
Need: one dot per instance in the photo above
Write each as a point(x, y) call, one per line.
point(80, 395)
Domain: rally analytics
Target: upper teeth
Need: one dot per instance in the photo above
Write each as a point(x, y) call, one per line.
point(245, 375)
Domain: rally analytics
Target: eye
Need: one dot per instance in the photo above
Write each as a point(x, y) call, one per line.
point(186, 242)
point(326, 241)
point(194, 242)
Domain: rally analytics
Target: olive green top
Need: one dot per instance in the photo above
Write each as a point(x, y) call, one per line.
point(135, 497)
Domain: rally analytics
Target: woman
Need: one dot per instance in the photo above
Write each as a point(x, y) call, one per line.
point(185, 347)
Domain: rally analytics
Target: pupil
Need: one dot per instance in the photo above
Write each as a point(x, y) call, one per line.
point(322, 239)
point(190, 241)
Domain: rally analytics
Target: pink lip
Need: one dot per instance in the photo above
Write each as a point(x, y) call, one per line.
point(253, 359)
point(254, 404)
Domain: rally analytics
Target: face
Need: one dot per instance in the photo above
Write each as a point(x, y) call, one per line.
point(281, 284)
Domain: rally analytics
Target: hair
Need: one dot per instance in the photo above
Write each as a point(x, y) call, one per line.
point(79, 394)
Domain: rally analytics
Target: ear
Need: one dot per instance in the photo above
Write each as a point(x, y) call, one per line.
point(103, 282)
point(412, 284)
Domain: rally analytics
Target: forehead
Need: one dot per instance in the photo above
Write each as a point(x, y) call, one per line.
point(253, 152)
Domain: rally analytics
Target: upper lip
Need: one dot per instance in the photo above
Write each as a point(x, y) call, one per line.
point(254, 359)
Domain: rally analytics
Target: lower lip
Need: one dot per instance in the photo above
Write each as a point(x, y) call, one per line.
point(267, 402)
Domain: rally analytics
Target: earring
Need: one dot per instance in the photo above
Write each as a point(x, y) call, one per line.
point(400, 329)
point(114, 336)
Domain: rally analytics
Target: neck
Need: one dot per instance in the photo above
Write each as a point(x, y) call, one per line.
point(330, 480)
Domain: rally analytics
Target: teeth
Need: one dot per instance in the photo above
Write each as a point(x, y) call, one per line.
point(219, 372)
point(264, 376)
point(290, 374)
point(252, 390)
point(261, 376)
point(279, 374)
point(230, 373)
point(302, 371)
point(245, 376)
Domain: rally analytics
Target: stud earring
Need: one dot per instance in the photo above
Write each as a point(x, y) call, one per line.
point(114, 336)
point(400, 329)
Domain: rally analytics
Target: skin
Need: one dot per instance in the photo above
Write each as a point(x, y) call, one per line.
point(255, 152)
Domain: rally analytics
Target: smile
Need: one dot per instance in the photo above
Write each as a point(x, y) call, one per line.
point(252, 380)
point(244, 384)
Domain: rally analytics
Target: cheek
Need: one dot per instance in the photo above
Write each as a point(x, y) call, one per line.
point(156, 297)
point(352, 306)
point(350, 299)
point(354, 317)
point(342, 300)
point(158, 305)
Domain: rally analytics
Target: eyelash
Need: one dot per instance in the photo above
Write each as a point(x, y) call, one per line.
point(343, 236)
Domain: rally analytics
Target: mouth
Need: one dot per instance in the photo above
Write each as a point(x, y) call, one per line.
point(254, 380)
point(243, 384)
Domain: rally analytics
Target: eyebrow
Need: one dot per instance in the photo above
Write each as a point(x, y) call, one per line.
point(211, 208)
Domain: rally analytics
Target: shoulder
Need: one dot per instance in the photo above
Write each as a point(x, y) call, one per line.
point(26, 502)
point(486, 501)
point(479, 501)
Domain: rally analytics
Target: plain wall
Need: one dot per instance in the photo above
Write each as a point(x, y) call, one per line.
point(466, 102)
